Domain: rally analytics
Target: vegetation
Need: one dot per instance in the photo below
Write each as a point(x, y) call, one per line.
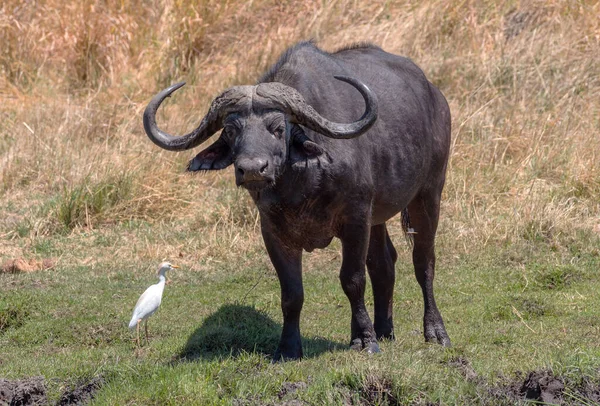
point(518, 245)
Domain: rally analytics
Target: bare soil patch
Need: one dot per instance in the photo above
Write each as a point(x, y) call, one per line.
point(82, 393)
point(24, 392)
point(543, 386)
point(540, 386)
point(32, 392)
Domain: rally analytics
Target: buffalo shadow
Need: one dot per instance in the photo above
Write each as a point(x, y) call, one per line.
point(235, 329)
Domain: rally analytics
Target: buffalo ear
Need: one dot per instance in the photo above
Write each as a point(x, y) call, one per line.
point(216, 156)
point(303, 145)
point(311, 149)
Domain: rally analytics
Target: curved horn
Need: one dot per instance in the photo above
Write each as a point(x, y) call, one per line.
point(304, 114)
point(211, 123)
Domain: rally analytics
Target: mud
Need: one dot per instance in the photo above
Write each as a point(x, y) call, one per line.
point(543, 386)
point(537, 386)
point(590, 389)
point(32, 392)
point(25, 392)
point(82, 393)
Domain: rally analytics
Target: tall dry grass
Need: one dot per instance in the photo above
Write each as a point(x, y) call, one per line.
point(522, 79)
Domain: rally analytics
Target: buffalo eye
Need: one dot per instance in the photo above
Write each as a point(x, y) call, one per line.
point(278, 133)
point(229, 131)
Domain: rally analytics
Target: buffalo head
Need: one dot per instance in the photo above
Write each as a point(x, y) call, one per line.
point(261, 127)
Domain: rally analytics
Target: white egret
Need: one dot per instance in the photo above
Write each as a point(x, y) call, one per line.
point(150, 300)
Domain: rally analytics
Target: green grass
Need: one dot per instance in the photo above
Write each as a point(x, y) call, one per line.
point(219, 324)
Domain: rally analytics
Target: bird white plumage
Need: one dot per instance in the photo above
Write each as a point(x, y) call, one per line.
point(150, 300)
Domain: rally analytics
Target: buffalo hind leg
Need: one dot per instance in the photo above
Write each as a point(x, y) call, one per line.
point(424, 212)
point(288, 265)
point(381, 260)
point(352, 277)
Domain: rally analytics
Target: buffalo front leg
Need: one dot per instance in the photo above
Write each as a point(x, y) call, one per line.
point(381, 259)
point(424, 213)
point(355, 239)
point(288, 265)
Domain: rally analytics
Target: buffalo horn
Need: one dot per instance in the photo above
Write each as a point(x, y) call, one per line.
point(304, 114)
point(211, 123)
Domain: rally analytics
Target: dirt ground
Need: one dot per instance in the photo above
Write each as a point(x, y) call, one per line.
point(32, 392)
point(541, 386)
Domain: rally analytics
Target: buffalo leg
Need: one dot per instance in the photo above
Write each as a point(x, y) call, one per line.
point(352, 276)
point(381, 259)
point(288, 265)
point(424, 213)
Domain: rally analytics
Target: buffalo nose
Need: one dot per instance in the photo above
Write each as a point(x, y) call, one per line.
point(252, 169)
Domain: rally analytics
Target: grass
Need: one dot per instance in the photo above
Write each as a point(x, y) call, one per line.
point(219, 325)
point(518, 244)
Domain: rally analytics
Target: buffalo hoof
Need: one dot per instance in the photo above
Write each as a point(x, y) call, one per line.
point(370, 347)
point(437, 334)
point(287, 355)
point(384, 333)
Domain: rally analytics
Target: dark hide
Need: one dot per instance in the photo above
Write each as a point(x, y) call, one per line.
point(310, 188)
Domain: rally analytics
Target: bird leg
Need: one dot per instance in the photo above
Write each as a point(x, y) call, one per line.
point(146, 328)
point(138, 333)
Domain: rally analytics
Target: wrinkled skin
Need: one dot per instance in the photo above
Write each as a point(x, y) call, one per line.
point(310, 188)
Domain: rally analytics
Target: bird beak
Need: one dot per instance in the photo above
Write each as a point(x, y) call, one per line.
point(174, 266)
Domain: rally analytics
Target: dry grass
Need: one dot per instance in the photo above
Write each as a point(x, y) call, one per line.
point(522, 79)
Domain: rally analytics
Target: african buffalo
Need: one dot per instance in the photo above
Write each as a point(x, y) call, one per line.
point(313, 179)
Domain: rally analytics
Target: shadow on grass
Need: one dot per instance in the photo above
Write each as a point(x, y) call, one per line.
point(236, 329)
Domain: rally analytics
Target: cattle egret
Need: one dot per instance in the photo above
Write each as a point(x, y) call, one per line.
point(150, 300)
